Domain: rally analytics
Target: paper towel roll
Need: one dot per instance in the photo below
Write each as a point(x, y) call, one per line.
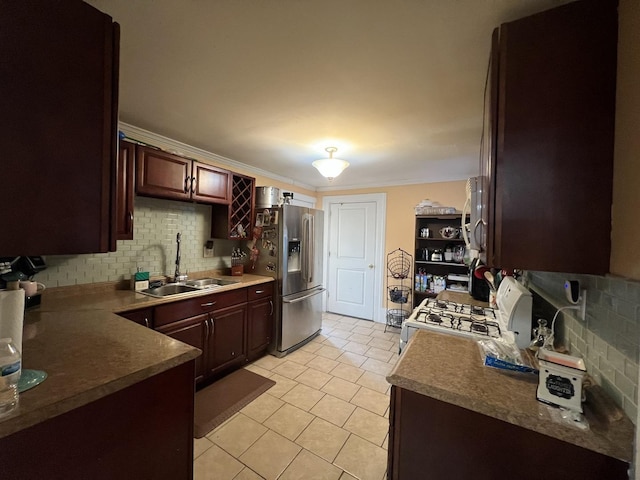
point(12, 316)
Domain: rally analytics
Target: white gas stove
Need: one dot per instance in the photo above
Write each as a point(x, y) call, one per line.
point(510, 321)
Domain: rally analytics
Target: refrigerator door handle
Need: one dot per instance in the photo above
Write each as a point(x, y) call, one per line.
point(311, 253)
point(299, 299)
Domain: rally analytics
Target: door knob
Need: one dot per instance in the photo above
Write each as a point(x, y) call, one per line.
point(371, 265)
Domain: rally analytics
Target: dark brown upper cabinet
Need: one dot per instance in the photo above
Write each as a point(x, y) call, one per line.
point(234, 221)
point(548, 160)
point(59, 78)
point(163, 175)
point(125, 190)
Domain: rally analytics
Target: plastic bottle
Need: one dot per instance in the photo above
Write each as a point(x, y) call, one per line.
point(10, 369)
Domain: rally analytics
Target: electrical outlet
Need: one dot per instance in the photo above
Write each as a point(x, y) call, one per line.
point(207, 251)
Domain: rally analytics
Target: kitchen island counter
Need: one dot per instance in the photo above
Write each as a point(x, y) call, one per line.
point(449, 369)
point(90, 352)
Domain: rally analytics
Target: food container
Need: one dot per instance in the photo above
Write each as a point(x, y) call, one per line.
point(560, 380)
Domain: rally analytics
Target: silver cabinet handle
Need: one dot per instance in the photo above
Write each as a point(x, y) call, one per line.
point(258, 292)
point(206, 329)
point(210, 304)
point(193, 184)
point(186, 184)
point(146, 322)
point(271, 303)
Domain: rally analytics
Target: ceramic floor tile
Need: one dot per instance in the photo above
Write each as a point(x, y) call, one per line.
point(376, 366)
point(289, 421)
point(289, 369)
point(323, 438)
point(307, 466)
point(352, 359)
point(363, 330)
point(362, 459)
point(347, 372)
point(282, 386)
point(331, 316)
point(333, 410)
point(262, 407)
point(339, 333)
point(200, 445)
point(367, 425)
point(216, 464)
point(371, 400)
point(311, 347)
point(345, 326)
point(300, 356)
point(350, 320)
point(374, 381)
point(303, 397)
point(268, 362)
point(259, 370)
point(378, 326)
point(313, 378)
point(359, 338)
point(340, 388)
point(236, 436)
point(323, 364)
point(327, 331)
point(270, 455)
point(346, 476)
point(379, 354)
point(335, 342)
point(385, 444)
point(329, 352)
point(382, 344)
point(354, 347)
point(389, 336)
point(247, 474)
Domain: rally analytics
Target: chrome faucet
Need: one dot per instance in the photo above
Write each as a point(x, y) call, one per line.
point(178, 277)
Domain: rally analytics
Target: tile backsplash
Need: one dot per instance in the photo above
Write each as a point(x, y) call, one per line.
point(153, 249)
point(609, 339)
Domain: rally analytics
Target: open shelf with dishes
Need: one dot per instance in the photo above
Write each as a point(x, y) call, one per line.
point(440, 255)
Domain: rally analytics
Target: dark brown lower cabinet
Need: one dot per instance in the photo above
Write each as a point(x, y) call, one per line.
point(192, 331)
point(143, 317)
point(260, 325)
point(142, 431)
point(227, 339)
point(436, 440)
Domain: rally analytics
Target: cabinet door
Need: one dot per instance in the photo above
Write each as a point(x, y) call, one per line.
point(260, 327)
point(160, 174)
point(124, 191)
point(227, 342)
point(193, 331)
point(555, 136)
point(59, 78)
point(210, 184)
point(142, 317)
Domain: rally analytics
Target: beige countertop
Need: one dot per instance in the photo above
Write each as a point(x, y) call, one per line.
point(449, 368)
point(89, 352)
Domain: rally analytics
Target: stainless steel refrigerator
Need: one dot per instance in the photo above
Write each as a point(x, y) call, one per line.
point(290, 250)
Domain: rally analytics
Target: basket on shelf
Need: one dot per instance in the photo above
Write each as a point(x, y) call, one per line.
point(399, 266)
point(399, 294)
point(396, 316)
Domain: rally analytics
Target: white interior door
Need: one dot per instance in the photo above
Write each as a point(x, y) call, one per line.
point(352, 252)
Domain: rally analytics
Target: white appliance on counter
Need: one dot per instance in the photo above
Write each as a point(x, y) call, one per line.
point(511, 320)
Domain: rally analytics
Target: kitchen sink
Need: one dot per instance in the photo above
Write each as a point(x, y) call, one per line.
point(169, 289)
point(210, 282)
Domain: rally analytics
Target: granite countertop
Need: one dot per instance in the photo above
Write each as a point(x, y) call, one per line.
point(449, 368)
point(89, 352)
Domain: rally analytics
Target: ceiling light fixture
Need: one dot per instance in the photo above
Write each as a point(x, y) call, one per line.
point(330, 167)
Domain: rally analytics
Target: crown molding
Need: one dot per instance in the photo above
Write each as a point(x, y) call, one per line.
point(173, 146)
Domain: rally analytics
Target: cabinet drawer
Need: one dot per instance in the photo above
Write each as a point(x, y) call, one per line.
point(256, 292)
point(172, 312)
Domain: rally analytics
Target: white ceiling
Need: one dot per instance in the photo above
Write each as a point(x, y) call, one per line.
point(396, 85)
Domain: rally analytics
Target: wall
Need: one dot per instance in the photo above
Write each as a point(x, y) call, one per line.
point(400, 220)
point(153, 248)
point(609, 338)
